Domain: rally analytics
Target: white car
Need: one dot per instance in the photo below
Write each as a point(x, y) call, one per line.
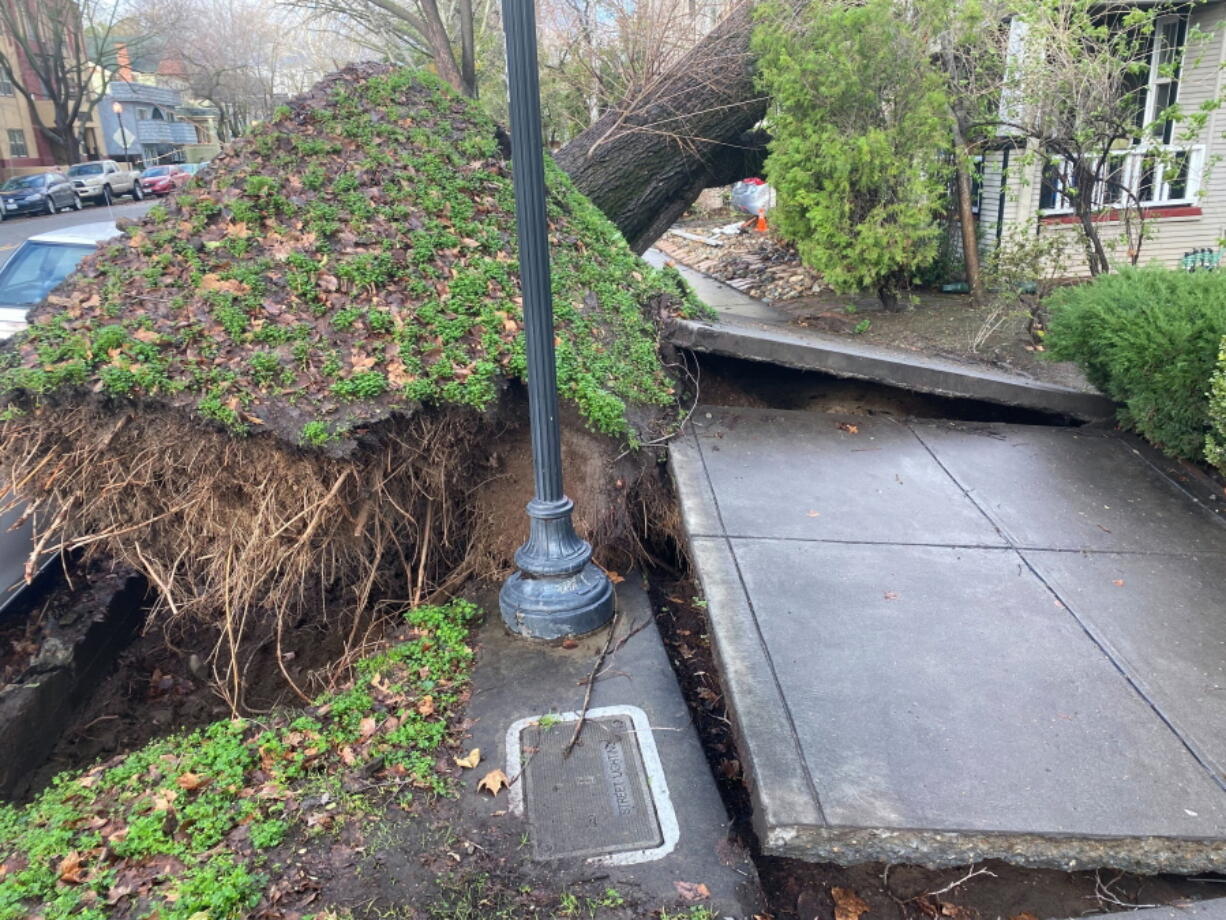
point(42, 262)
point(38, 265)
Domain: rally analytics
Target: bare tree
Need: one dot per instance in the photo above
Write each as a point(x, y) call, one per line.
point(242, 56)
point(1090, 89)
point(598, 54)
point(417, 31)
point(61, 56)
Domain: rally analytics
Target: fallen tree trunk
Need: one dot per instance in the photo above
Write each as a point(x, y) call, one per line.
point(646, 161)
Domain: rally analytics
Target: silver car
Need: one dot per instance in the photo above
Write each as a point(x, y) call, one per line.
point(42, 262)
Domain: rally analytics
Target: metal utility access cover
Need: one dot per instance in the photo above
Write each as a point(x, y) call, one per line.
point(596, 801)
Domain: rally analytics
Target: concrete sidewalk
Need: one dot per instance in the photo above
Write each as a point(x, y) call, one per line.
point(636, 807)
point(946, 642)
point(753, 330)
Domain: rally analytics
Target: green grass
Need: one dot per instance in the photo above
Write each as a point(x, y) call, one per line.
point(192, 819)
point(383, 248)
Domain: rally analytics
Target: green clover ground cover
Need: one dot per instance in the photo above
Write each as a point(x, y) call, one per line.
point(354, 255)
point(184, 828)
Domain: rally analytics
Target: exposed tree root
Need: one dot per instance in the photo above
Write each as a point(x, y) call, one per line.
point(250, 536)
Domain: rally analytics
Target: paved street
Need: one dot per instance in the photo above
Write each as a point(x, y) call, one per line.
point(15, 231)
point(945, 642)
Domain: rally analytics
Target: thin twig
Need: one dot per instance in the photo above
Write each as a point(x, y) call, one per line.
point(587, 696)
point(960, 882)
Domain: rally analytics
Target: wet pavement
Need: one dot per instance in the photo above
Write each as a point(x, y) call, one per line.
point(944, 642)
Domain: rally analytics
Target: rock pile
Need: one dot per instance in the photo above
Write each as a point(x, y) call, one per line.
point(757, 263)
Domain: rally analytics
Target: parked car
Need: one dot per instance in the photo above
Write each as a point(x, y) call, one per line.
point(42, 262)
point(102, 181)
point(40, 193)
point(162, 180)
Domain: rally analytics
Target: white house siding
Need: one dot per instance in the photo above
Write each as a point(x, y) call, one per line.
point(1168, 238)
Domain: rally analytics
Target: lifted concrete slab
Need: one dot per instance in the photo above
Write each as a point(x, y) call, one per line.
point(750, 329)
point(813, 351)
point(909, 686)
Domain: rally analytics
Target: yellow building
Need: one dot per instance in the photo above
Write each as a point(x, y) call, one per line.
point(23, 148)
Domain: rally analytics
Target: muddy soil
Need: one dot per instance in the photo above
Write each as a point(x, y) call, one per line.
point(159, 685)
point(724, 381)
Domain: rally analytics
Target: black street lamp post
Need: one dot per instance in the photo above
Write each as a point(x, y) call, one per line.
point(557, 591)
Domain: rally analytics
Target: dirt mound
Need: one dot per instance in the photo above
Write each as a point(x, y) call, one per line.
point(283, 394)
point(354, 256)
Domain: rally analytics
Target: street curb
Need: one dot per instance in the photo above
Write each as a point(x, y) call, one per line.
point(774, 782)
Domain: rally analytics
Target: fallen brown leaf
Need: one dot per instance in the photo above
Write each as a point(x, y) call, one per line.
point(190, 781)
point(470, 760)
point(849, 428)
point(425, 706)
point(70, 869)
point(493, 782)
point(692, 891)
point(847, 904)
point(214, 282)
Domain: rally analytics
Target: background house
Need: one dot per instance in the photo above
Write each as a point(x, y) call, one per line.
point(1183, 202)
point(145, 118)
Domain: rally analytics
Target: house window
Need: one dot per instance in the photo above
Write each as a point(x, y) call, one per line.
point(142, 113)
point(1162, 85)
point(976, 184)
point(6, 85)
point(1149, 176)
point(17, 143)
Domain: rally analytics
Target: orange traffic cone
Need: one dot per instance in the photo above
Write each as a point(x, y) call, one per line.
point(760, 223)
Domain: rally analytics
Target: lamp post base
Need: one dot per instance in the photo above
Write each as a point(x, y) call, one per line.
point(557, 606)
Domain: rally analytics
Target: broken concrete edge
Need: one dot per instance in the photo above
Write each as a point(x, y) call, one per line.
point(68, 667)
point(775, 769)
point(1212, 909)
point(860, 362)
point(780, 789)
point(943, 849)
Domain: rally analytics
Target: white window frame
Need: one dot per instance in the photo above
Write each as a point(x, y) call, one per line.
point(1155, 77)
point(1134, 167)
point(19, 135)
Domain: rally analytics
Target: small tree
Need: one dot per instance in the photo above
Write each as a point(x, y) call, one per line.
point(56, 60)
point(860, 148)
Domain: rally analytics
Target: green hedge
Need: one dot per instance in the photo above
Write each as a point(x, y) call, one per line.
point(1149, 338)
point(1215, 444)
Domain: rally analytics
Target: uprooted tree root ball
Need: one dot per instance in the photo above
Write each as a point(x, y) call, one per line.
point(295, 390)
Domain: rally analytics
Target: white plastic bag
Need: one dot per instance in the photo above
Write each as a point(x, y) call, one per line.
point(752, 196)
